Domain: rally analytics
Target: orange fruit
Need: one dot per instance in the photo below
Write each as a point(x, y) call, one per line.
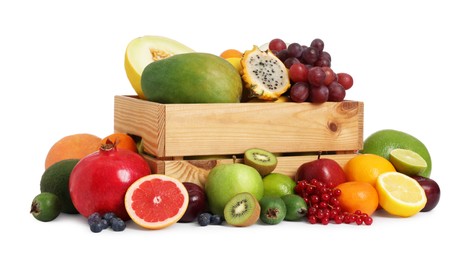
point(156, 201)
point(367, 167)
point(400, 195)
point(122, 141)
point(231, 53)
point(75, 146)
point(358, 195)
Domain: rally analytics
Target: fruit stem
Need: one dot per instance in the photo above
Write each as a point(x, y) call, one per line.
point(234, 158)
point(319, 155)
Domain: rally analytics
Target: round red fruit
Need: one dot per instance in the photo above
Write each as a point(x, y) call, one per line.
point(196, 202)
point(99, 181)
point(324, 170)
point(298, 72)
point(277, 45)
point(345, 80)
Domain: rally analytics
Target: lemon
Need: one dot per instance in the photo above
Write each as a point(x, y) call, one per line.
point(236, 62)
point(384, 141)
point(278, 184)
point(399, 194)
point(407, 161)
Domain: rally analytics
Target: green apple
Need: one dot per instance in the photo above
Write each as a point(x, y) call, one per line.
point(226, 180)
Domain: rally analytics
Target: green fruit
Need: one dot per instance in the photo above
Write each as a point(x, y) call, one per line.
point(242, 210)
point(384, 141)
point(191, 78)
point(45, 207)
point(56, 180)
point(278, 184)
point(296, 207)
point(273, 210)
point(407, 161)
point(264, 161)
point(224, 181)
point(143, 50)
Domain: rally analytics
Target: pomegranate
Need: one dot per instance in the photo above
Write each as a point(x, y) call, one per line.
point(99, 181)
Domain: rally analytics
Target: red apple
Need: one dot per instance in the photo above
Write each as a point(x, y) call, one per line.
point(433, 193)
point(196, 203)
point(325, 170)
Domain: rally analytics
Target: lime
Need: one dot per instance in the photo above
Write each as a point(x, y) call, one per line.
point(45, 207)
point(384, 141)
point(55, 179)
point(407, 161)
point(278, 184)
point(296, 207)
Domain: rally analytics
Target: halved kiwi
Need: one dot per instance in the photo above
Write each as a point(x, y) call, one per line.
point(263, 161)
point(242, 210)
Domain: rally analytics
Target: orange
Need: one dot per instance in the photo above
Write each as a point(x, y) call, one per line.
point(75, 146)
point(400, 195)
point(156, 201)
point(231, 53)
point(122, 141)
point(367, 167)
point(358, 195)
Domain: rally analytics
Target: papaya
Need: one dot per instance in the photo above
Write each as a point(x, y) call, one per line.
point(191, 78)
point(143, 50)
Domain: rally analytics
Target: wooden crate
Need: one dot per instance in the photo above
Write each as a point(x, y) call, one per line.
point(187, 140)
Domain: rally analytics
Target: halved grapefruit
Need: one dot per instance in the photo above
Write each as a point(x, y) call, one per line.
point(156, 201)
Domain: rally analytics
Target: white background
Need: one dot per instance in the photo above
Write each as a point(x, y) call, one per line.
point(61, 64)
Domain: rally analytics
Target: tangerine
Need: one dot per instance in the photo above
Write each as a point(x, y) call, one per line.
point(156, 201)
point(231, 53)
point(121, 141)
point(75, 146)
point(358, 195)
point(367, 167)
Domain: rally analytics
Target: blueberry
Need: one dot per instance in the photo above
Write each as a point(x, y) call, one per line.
point(117, 224)
point(108, 216)
point(96, 227)
point(105, 223)
point(204, 219)
point(94, 218)
point(216, 220)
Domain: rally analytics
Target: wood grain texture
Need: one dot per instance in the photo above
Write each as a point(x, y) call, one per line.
point(220, 129)
point(196, 171)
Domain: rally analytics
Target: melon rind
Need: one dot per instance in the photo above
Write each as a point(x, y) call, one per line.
point(138, 56)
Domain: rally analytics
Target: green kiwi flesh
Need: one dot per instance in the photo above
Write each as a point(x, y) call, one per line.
point(242, 210)
point(263, 161)
point(273, 210)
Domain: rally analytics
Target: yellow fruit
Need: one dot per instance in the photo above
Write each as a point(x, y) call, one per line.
point(143, 50)
point(399, 194)
point(236, 62)
point(367, 167)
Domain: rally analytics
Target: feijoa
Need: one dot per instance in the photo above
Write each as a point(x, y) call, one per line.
point(296, 207)
point(273, 210)
point(46, 206)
